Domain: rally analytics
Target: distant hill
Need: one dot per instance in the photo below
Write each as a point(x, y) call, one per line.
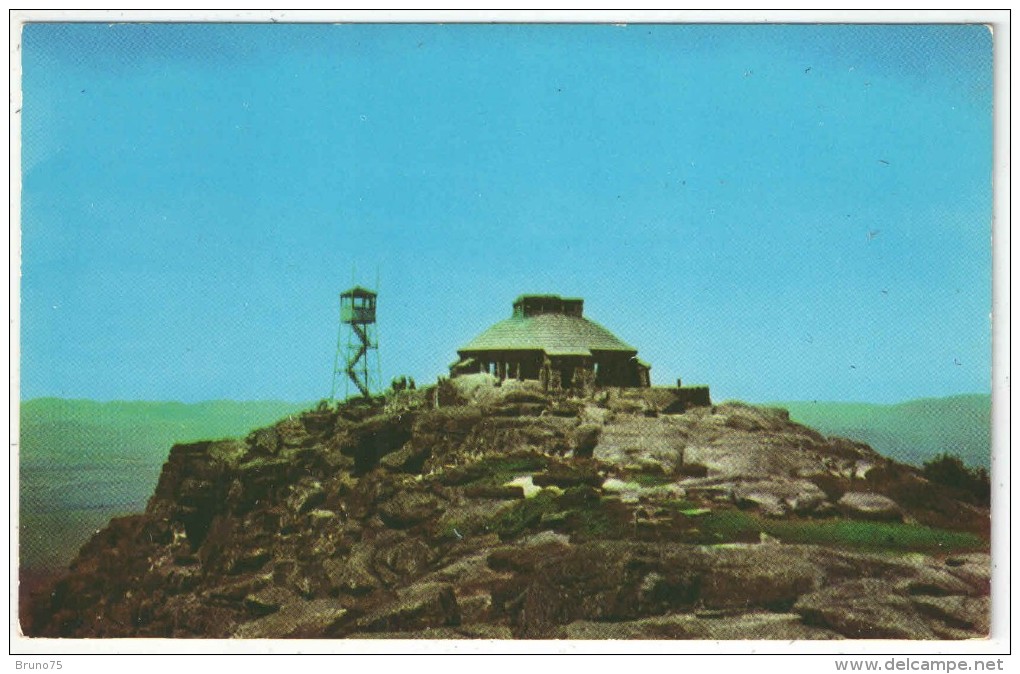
point(912, 432)
point(83, 462)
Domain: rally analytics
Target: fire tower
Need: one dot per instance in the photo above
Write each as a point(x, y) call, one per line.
point(357, 312)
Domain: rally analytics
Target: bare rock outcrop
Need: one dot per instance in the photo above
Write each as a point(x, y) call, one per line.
point(471, 510)
point(870, 506)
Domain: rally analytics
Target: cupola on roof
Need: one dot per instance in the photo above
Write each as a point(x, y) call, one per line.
point(548, 323)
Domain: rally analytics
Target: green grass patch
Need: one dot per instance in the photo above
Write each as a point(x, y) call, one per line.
point(494, 471)
point(576, 511)
point(512, 466)
point(525, 514)
point(732, 526)
point(681, 504)
point(595, 524)
point(729, 526)
point(650, 479)
point(894, 536)
point(596, 518)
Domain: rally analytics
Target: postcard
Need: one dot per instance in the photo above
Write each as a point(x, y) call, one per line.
point(569, 334)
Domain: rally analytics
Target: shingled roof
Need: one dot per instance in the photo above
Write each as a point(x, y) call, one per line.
point(556, 334)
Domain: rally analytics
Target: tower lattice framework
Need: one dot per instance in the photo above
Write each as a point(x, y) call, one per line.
point(357, 344)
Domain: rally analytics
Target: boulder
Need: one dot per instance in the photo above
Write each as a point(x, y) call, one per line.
point(427, 633)
point(560, 475)
point(261, 476)
point(296, 620)
point(864, 609)
point(238, 589)
point(352, 574)
point(230, 452)
point(526, 484)
point(456, 476)
point(754, 625)
point(973, 568)
point(373, 438)
point(408, 459)
point(445, 427)
point(268, 600)
point(624, 405)
point(750, 418)
point(266, 440)
point(633, 492)
point(642, 444)
point(869, 506)
point(520, 394)
point(527, 559)
point(691, 470)
point(469, 631)
point(517, 410)
point(476, 388)
point(246, 560)
point(585, 439)
point(408, 508)
point(936, 582)
point(779, 497)
point(545, 538)
point(184, 616)
point(755, 576)
point(306, 495)
point(319, 422)
point(494, 491)
point(470, 571)
point(485, 631)
point(320, 516)
point(566, 408)
point(594, 415)
point(292, 433)
point(957, 612)
point(413, 608)
point(551, 590)
point(401, 559)
point(537, 435)
point(555, 584)
point(743, 422)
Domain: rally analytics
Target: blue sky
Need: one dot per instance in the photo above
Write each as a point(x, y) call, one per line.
point(782, 212)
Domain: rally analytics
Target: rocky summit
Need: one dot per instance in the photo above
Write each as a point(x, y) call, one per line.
point(472, 509)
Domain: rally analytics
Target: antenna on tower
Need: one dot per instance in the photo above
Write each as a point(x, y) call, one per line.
point(351, 362)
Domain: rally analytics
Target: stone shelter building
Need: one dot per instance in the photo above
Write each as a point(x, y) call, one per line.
point(548, 338)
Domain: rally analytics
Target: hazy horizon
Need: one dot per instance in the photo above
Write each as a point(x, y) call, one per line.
point(285, 401)
point(782, 212)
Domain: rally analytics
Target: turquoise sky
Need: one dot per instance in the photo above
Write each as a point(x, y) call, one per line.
point(782, 212)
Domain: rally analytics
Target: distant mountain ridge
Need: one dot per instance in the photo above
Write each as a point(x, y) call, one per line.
point(83, 461)
point(202, 418)
point(913, 431)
